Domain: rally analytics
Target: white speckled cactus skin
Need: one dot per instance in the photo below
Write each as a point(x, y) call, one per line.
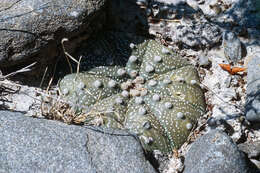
point(139, 85)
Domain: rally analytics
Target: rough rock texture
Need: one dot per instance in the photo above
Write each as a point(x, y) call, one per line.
point(182, 24)
point(138, 84)
point(232, 47)
point(35, 145)
point(253, 90)
point(215, 152)
point(31, 30)
point(232, 13)
point(252, 149)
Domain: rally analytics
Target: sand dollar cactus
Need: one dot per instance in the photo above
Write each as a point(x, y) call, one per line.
point(137, 84)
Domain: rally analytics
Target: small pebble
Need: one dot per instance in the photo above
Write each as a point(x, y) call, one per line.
point(203, 61)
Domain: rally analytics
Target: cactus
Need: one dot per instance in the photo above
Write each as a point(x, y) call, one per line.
point(137, 84)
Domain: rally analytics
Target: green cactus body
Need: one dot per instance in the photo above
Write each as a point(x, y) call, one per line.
point(139, 85)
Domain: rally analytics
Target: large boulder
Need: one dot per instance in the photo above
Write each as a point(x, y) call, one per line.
point(253, 90)
point(31, 30)
point(39, 145)
point(215, 152)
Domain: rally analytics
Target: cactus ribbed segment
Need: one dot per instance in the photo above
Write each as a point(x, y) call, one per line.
point(137, 84)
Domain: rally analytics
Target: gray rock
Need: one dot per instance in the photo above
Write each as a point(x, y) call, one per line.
point(230, 13)
point(203, 60)
point(232, 47)
point(184, 24)
point(38, 145)
point(252, 149)
point(31, 30)
point(215, 152)
point(253, 90)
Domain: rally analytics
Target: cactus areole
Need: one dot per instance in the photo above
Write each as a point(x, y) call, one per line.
point(137, 84)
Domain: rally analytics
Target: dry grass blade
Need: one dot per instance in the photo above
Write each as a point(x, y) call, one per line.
point(24, 69)
point(67, 55)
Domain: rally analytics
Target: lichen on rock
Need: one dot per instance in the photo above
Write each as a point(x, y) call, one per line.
point(137, 84)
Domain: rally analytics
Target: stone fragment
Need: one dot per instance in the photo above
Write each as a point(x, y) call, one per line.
point(31, 30)
point(253, 90)
point(215, 152)
point(26, 142)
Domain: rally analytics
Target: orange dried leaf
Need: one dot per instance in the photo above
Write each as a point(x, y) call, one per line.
point(232, 70)
point(235, 70)
point(226, 67)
